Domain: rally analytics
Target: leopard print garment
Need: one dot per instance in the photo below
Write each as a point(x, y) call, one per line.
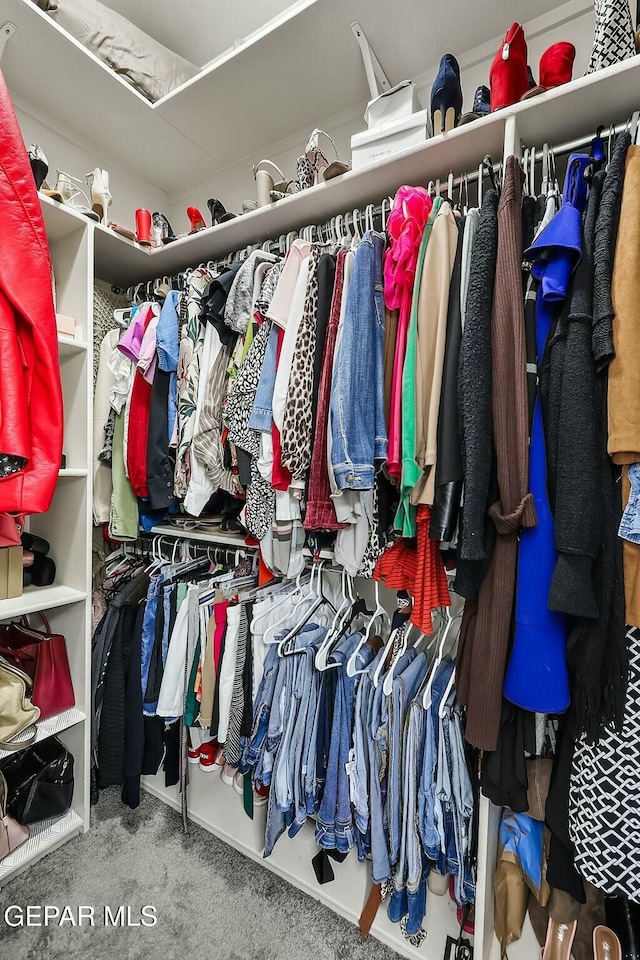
point(242, 394)
point(296, 434)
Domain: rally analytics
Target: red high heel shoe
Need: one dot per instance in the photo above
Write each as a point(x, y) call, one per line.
point(508, 77)
point(556, 67)
point(196, 219)
point(143, 227)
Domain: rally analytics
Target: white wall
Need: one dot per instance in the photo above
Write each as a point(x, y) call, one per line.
point(235, 183)
point(66, 150)
point(199, 30)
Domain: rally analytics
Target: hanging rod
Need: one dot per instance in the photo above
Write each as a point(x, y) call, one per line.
point(569, 146)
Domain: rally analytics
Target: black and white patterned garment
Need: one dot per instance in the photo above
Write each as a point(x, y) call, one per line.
point(604, 798)
point(239, 403)
point(10, 465)
point(260, 505)
point(231, 750)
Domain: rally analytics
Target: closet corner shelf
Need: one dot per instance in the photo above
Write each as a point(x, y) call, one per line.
point(52, 727)
point(45, 837)
point(40, 598)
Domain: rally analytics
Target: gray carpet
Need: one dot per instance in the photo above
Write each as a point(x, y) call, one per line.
point(211, 901)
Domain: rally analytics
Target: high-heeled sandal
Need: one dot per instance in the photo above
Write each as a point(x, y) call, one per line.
point(218, 212)
point(195, 219)
point(68, 190)
point(265, 183)
point(98, 181)
point(446, 96)
point(318, 161)
point(162, 230)
point(39, 164)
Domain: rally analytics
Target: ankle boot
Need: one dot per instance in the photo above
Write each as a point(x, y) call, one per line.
point(556, 64)
point(143, 227)
point(446, 96)
point(508, 77)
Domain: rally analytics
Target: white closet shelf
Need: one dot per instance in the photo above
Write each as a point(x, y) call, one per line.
point(122, 262)
point(304, 62)
point(71, 472)
point(40, 598)
point(219, 809)
point(52, 727)
point(59, 219)
point(203, 536)
point(44, 838)
point(67, 346)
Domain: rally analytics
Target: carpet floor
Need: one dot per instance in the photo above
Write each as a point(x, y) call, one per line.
point(211, 901)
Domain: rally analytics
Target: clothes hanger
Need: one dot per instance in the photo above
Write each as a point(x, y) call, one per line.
point(426, 698)
point(442, 709)
point(321, 599)
point(380, 611)
point(271, 629)
point(348, 598)
point(480, 183)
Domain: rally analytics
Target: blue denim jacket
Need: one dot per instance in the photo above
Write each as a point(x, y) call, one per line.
point(261, 416)
point(359, 433)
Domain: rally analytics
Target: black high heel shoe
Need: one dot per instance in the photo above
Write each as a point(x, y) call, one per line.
point(39, 164)
point(162, 229)
point(446, 96)
point(218, 212)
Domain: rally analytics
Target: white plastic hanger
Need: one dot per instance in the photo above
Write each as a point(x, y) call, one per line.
point(442, 709)
point(348, 599)
point(267, 637)
point(426, 697)
point(352, 662)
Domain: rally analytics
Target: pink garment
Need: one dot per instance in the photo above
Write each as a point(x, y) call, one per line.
point(280, 305)
point(405, 227)
point(148, 350)
point(131, 340)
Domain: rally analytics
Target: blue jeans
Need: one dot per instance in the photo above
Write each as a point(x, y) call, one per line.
point(378, 741)
point(334, 827)
point(426, 796)
point(148, 635)
point(630, 523)
point(358, 428)
point(407, 679)
point(254, 746)
point(261, 416)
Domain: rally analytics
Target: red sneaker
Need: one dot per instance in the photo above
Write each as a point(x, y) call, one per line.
point(193, 754)
point(206, 759)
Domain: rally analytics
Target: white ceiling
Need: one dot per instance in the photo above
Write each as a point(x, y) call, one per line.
point(199, 30)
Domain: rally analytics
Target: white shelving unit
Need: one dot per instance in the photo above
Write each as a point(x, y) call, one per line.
point(67, 527)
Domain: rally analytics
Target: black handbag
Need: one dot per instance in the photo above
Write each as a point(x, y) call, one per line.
point(39, 782)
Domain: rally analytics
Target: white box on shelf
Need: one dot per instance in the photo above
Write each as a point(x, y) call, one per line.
point(66, 325)
point(375, 145)
point(395, 104)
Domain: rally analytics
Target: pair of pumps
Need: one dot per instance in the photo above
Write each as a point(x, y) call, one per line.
point(155, 230)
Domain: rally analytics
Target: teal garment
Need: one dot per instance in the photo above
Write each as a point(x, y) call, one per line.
point(192, 706)
point(405, 521)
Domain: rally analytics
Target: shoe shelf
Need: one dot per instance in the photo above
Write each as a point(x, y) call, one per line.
point(219, 809)
point(219, 538)
point(44, 838)
point(308, 53)
point(34, 599)
point(51, 727)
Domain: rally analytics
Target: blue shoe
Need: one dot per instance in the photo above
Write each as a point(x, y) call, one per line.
point(481, 106)
point(446, 96)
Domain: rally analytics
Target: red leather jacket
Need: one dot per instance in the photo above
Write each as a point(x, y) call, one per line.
point(31, 417)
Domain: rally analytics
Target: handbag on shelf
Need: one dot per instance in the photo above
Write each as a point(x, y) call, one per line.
point(42, 655)
point(12, 833)
point(39, 782)
point(17, 712)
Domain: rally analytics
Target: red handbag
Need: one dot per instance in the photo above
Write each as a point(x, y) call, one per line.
point(42, 655)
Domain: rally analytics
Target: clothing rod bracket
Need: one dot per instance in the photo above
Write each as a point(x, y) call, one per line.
point(372, 66)
point(7, 30)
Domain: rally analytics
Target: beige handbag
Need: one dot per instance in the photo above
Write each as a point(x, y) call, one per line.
point(12, 833)
point(17, 713)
